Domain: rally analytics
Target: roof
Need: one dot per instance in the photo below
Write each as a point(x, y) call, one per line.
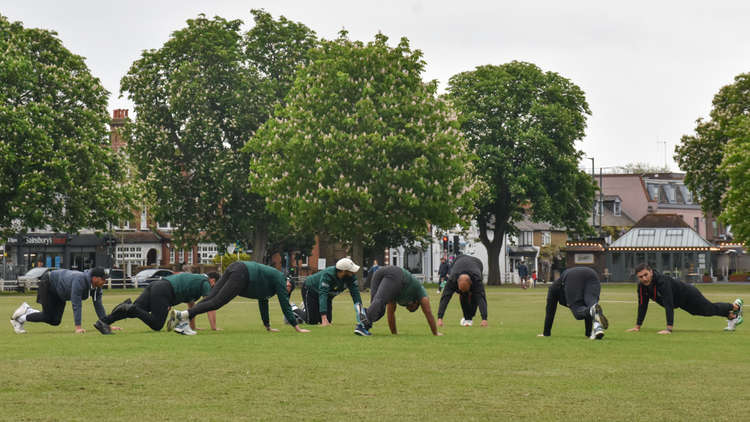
point(526, 225)
point(661, 237)
point(661, 220)
point(138, 237)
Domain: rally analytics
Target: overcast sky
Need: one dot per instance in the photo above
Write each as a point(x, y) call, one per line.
point(649, 68)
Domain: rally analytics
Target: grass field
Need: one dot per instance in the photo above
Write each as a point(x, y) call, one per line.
point(502, 372)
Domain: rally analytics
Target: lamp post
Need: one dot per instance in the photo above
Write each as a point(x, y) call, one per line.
point(593, 177)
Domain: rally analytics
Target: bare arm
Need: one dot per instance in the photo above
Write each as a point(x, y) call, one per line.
point(425, 304)
point(391, 313)
point(212, 320)
point(192, 320)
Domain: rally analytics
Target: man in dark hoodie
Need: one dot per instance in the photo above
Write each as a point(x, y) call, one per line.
point(466, 279)
point(57, 287)
point(578, 288)
point(671, 294)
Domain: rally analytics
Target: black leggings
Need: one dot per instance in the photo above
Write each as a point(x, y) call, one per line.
point(53, 305)
point(151, 307)
point(233, 282)
point(696, 304)
point(312, 306)
point(581, 295)
point(386, 285)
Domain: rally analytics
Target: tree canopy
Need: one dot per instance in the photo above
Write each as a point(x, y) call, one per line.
point(522, 124)
point(714, 157)
point(198, 99)
point(363, 148)
point(57, 168)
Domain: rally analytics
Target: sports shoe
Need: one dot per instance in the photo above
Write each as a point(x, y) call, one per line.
point(103, 327)
point(740, 304)
point(181, 315)
point(17, 326)
point(466, 322)
point(360, 330)
point(598, 332)
point(731, 325)
point(183, 328)
point(21, 310)
point(598, 314)
point(363, 318)
point(171, 320)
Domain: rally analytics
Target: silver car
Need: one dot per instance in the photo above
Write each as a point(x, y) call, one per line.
point(145, 277)
point(30, 280)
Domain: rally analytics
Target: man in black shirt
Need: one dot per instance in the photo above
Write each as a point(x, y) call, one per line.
point(671, 294)
point(466, 279)
point(578, 288)
point(443, 273)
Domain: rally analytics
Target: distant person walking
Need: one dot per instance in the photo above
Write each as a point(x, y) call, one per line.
point(523, 274)
point(443, 271)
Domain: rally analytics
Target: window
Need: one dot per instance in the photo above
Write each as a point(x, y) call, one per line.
point(164, 226)
point(715, 226)
point(696, 224)
point(674, 232)
point(646, 232)
point(207, 252)
point(546, 238)
point(190, 257)
point(617, 208)
point(171, 255)
point(527, 238)
point(144, 222)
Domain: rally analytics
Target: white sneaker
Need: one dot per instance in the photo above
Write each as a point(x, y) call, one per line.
point(466, 322)
point(598, 332)
point(21, 310)
point(17, 326)
point(731, 325)
point(184, 329)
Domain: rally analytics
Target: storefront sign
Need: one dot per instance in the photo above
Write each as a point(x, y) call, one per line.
point(584, 258)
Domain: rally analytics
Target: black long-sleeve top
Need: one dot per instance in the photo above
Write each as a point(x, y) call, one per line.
point(472, 267)
point(665, 291)
point(555, 295)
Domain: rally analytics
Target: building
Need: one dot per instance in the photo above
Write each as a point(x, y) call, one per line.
point(665, 242)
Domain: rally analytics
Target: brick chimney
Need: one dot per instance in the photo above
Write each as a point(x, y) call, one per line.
point(119, 116)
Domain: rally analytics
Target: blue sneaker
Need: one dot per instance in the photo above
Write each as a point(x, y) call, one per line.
point(360, 330)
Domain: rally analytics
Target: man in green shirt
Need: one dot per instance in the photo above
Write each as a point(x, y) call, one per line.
point(320, 289)
point(152, 306)
point(392, 286)
point(247, 279)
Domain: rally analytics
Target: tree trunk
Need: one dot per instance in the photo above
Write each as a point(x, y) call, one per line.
point(260, 244)
point(357, 257)
point(493, 258)
point(493, 247)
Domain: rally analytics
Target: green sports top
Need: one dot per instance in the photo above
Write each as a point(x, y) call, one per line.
point(266, 282)
point(413, 291)
point(325, 283)
point(188, 287)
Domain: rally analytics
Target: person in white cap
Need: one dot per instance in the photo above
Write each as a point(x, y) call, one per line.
point(320, 289)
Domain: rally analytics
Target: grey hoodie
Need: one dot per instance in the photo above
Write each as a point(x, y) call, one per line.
point(75, 286)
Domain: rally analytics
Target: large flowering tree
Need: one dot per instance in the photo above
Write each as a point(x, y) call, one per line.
point(363, 149)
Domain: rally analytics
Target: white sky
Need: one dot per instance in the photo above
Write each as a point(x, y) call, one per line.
point(649, 68)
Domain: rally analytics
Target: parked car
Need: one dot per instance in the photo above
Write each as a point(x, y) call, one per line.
point(145, 277)
point(30, 280)
point(115, 277)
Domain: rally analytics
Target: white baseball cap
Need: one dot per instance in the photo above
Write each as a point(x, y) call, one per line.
point(346, 264)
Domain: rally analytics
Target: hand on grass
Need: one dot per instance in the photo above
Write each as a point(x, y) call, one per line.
point(440, 322)
point(484, 323)
point(664, 332)
point(301, 330)
point(116, 328)
point(272, 330)
point(80, 330)
point(633, 330)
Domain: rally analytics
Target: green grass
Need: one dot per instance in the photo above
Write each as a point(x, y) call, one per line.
point(502, 372)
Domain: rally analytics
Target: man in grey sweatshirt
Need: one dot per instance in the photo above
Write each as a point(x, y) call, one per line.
point(57, 287)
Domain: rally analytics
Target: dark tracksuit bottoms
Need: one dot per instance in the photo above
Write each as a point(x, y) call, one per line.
point(312, 306)
point(233, 282)
point(151, 307)
point(53, 305)
point(387, 283)
point(582, 290)
point(695, 303)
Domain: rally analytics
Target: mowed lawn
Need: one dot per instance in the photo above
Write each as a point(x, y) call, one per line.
point(502, 372)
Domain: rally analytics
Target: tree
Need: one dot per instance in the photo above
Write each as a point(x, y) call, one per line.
point(522, 124)
point(736, 168)
point(198, 99)
point(701, 155)
point(366, 147)
point(57, 168)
